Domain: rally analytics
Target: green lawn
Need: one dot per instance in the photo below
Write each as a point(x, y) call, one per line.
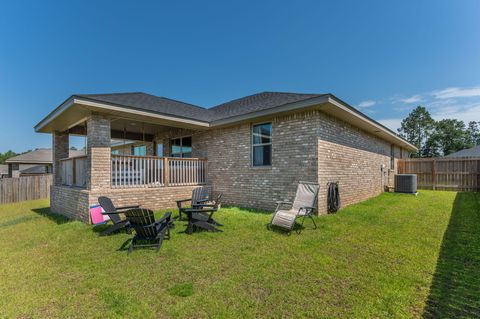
point(392, 256)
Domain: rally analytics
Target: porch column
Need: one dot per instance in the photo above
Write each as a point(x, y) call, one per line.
point(98, 152)
point(60, 150)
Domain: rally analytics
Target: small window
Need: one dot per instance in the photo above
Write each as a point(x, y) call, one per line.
point(159, 149)
point(139, 150)
point(115, 152)
point(262, 144)
point(181, 147)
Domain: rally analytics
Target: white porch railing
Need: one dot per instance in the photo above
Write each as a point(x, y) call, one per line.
point(152, 171)
point(74, 171)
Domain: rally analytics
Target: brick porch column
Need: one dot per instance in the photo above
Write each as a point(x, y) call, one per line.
point(98, 152)
point(60, 150)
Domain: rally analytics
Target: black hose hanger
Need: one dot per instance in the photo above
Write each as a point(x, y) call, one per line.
point(333, 197)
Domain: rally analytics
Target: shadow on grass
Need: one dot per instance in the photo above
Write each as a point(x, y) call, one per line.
point(455, 289)
point(57, 218)
point(19, 220)
point(248, 210)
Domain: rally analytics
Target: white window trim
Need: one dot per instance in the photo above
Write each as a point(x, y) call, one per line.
point(260, 144)
point(181, 145)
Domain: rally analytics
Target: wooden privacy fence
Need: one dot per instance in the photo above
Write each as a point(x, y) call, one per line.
point(25, 188)
point(456, 174)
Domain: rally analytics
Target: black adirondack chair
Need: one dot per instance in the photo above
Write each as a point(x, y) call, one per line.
point(148, 231)
point(200, 195)
point(202, 216)
point(113, 212)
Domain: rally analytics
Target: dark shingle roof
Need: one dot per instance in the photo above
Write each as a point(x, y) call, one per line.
point(152, 103)
point(162, 105)
point(469, 152)
point(257, 102)
point(41, 155)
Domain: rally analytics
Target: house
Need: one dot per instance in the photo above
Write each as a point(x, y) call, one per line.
point(469, 152)
point(35, 162)
point(3, 171)
point(254, 150)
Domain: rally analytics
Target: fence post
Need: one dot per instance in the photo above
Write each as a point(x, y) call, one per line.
point(434, 179)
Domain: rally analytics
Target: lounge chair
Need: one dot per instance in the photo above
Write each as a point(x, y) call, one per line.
point(113, 212)
point(202, 216)
point(200, 195)
point(286, 213)
point(148, 231)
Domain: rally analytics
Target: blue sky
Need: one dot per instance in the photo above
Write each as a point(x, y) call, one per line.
point(384, 57)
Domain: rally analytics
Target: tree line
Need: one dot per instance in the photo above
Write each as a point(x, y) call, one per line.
point(438, 138)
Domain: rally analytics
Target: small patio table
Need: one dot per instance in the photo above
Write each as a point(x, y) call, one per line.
point(201, 218)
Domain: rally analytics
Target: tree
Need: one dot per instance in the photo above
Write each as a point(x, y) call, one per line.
point(6, 155)
point(449, 136)
point(417, 128)
point(474, 132)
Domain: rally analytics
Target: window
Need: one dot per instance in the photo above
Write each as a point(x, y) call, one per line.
point(262, 144)
point(139, 150)
point(392, 156)
point(160, 149)
point(115, 152)
point(181, 147)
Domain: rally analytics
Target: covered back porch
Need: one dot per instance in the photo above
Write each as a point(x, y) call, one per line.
point(131, 158)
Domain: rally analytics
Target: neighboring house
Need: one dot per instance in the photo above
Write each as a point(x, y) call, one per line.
point(35, 162)
point(3, 171)
point(254, 150)
point(469, 152)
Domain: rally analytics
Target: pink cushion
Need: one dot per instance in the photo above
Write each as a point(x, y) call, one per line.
point(96, 214)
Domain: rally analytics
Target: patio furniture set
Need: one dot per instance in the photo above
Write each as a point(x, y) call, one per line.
point(150, 232)
point(199, 211)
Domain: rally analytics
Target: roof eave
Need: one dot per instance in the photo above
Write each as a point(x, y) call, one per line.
point(346, 107)
point(76, 100)
point(27, 162)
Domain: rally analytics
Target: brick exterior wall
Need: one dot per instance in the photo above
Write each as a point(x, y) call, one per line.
point(70, 202)
point(60, 151)
point(294, 159)
point(74, 202)
point(98, 152)
point(151, 198)
point(360, 162)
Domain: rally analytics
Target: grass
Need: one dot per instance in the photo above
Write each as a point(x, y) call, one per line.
point(396, 256)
